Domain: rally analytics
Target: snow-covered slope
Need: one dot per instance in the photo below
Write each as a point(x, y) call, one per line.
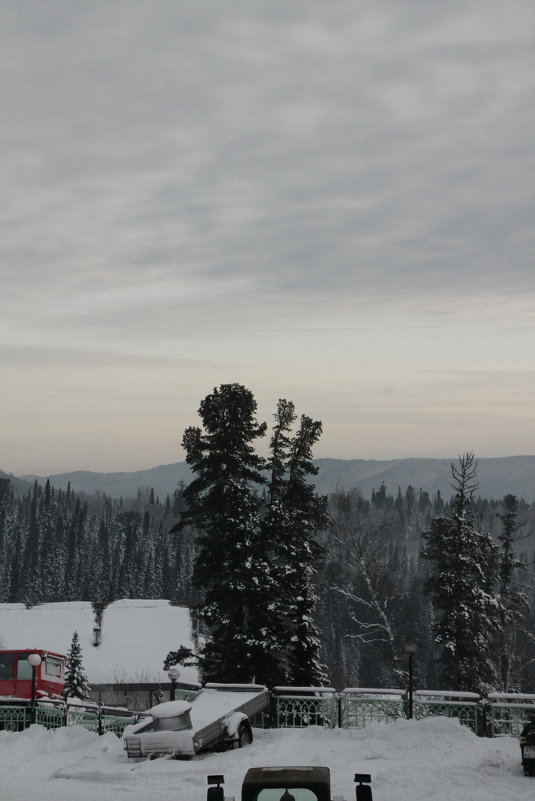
point(434, 759)
point(136, 636)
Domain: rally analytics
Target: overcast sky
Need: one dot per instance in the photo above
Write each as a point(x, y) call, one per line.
point(331, 202)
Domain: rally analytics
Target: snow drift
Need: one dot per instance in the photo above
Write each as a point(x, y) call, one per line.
point(408, 760)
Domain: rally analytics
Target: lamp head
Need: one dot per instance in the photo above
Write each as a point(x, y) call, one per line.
point(34, 660)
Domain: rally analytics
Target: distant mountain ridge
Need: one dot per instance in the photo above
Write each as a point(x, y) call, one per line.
point(496, 476)
point(18, 486)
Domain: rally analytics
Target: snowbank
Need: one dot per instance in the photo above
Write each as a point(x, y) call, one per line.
point(408, 760)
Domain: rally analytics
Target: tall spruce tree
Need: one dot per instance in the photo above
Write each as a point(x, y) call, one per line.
point(257, 555)
point(271, 627)
point(464, 563)
point(76, 684)
point(223, 506)
point(299, 550)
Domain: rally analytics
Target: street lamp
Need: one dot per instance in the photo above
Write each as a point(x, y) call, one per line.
point(410, 649)
point(174, 674)
point(34, 660)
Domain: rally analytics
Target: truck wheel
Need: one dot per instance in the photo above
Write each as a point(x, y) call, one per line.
point(245, 736)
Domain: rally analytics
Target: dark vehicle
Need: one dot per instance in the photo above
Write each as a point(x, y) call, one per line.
point(527, 745)
point(308, 783)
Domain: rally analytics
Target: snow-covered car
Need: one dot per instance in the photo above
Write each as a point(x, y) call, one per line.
point(219, 717)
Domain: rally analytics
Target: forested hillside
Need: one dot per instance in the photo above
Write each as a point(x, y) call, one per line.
point(59, 546)
point(496, 477)
point(372, 585)
point(56, 545)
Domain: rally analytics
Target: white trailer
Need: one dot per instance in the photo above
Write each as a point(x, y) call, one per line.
point(219, 717)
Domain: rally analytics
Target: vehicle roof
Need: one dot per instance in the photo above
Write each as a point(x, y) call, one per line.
point(314, 778)
point(289, 776)
point(42, 651)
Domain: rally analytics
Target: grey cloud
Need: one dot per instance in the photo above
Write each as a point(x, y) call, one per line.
point(47, 357)
point(317, 149)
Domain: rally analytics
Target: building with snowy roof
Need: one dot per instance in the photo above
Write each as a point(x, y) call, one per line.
point(123, 643)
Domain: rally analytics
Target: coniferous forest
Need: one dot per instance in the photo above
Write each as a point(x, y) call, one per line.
point(387, 569)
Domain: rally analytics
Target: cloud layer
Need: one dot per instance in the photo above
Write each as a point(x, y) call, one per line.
point(343, 187)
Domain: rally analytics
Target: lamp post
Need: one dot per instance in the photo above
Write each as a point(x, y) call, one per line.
point(174, 675)
point(34, 660)
point(410, 649)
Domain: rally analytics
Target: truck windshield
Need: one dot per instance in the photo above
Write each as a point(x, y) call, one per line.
point(6, 666)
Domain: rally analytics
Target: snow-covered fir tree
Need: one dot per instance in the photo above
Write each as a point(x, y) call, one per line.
point(302, 516)
point(76, 684)
point(223, 506)
point(256, 558)
point(464, 563)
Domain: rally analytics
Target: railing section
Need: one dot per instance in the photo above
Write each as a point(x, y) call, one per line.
point(305, 706)
point(14, 718)
point(17, 718)
point(262, 719)
point(181, 694)
point(298, 707)
point(361, 706)
point(99, 722)
point(464, 706)
point(507, 713)
point(116, 724)
point(51, 717)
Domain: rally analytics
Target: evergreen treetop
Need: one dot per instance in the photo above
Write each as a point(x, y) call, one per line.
point(76, 684)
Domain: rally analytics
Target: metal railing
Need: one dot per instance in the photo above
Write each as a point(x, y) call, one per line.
point(300, 707)
point(14, 718)
point(181, 694)
point(55, 716)
point(51, 717)
point(361, 706)
point(357, 707)
point(507, 713)
point(466, 707)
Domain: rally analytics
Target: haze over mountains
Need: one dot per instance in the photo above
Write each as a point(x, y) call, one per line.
point(496, 476)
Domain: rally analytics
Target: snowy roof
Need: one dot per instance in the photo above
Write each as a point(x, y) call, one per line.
point(374, 691)
point(304, 689)
point(136, 636)
point(448, 694)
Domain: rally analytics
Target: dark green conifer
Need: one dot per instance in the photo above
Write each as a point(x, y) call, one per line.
point(76, 684)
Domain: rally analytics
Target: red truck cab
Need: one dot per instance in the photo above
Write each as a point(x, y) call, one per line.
point(16, 673)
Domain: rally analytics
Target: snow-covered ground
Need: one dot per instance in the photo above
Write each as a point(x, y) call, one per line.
point(434, 759)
